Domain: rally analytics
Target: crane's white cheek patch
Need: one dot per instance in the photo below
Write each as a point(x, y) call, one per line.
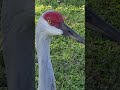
point(54, 31)
point(50, 30)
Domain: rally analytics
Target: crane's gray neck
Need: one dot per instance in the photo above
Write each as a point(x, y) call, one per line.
point(43, 45)
point(46, 74)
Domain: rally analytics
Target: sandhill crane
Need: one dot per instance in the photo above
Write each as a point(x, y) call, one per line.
point(50, 23)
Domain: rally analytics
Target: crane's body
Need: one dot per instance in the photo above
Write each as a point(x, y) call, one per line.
point(49, 24)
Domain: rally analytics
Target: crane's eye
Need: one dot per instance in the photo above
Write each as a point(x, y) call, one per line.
point(49, 21)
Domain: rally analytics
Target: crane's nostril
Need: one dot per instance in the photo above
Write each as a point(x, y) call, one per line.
point(70, 32)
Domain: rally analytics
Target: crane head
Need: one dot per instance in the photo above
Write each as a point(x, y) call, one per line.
point(53, 23)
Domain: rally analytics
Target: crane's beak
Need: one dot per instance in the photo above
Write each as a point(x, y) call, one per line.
point(67, 31)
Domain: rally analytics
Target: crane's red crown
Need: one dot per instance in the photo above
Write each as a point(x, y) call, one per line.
point(53, 18)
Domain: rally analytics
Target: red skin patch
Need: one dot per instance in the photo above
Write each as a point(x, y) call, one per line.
point(54, 17)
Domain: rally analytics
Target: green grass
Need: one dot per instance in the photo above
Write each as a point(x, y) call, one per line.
point(67, 55)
